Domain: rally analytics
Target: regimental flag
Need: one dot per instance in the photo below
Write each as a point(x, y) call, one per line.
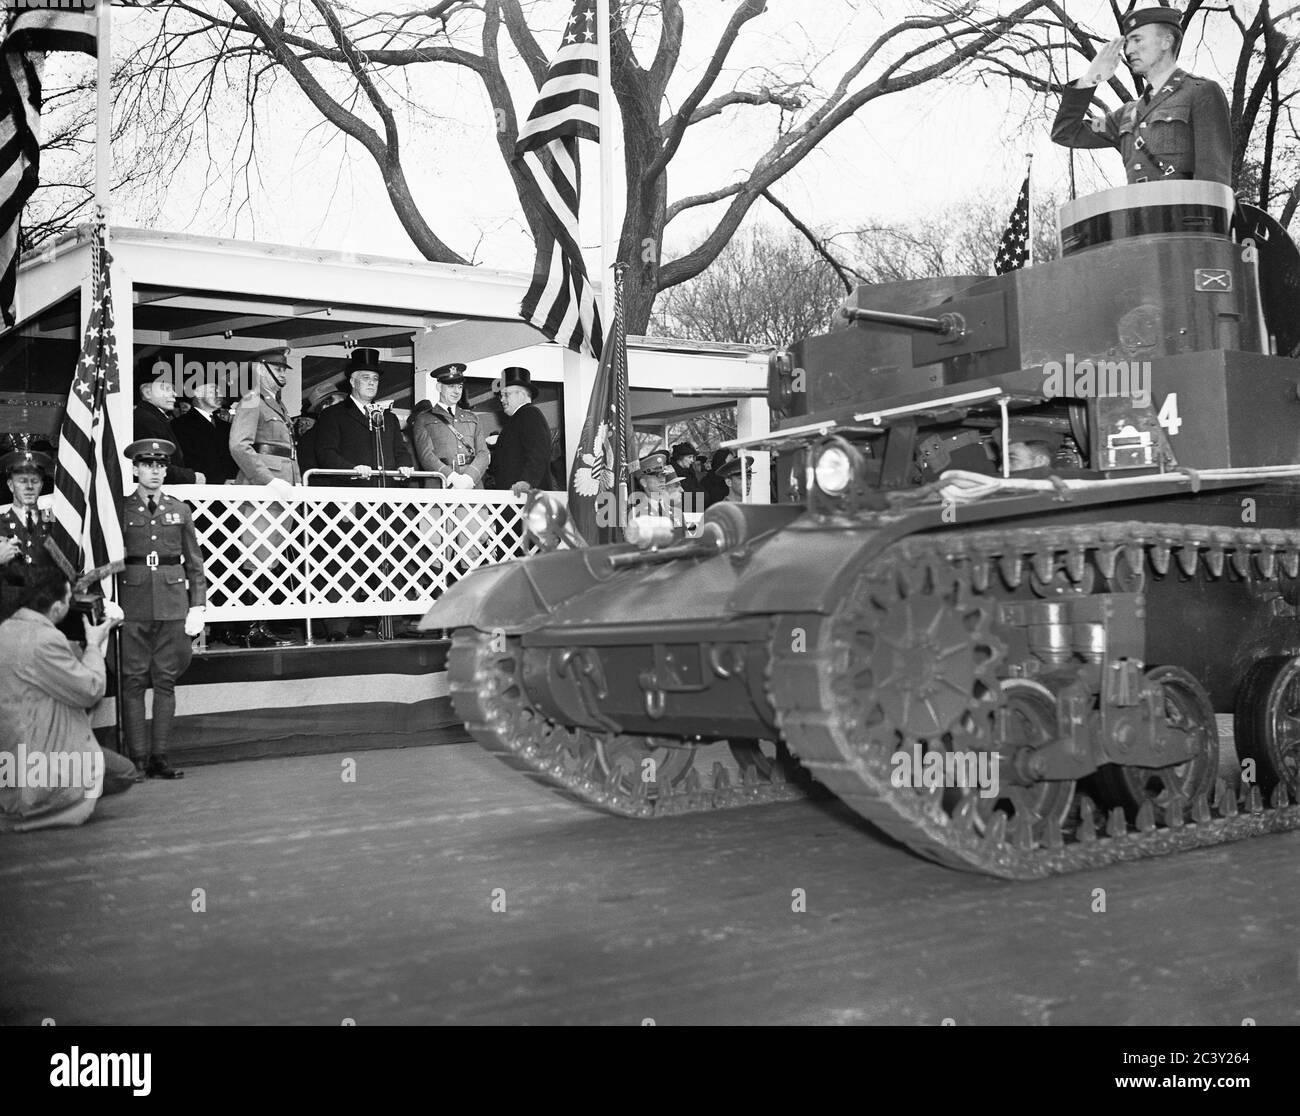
point(88, 481)
point(22, 58)
point(560, 301)
point(1014, 251)
point(599, 480)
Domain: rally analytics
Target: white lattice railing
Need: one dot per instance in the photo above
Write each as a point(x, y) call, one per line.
point(345, 551)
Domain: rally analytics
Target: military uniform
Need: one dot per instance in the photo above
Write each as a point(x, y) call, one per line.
point(261, 441)
point(28, 527)
point(1183, 131)
point(447, 442)
point(162, 581)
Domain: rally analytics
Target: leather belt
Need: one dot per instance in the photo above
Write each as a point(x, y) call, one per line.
point(153, 559)
point(273, 450)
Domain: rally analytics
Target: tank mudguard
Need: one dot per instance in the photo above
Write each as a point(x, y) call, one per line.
point(519, 595)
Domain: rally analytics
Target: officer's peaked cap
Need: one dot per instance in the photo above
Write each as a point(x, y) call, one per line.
point(150, 449)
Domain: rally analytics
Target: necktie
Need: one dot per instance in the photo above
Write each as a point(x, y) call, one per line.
point(153, 505)
point(31, 521)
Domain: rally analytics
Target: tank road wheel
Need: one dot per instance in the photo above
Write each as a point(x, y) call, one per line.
point(1267, 723)
point(1028, 722)
point(1187, 707)
point(488, 694)
point(646, 759)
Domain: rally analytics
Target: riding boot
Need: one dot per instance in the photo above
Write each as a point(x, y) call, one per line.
point(164, 712)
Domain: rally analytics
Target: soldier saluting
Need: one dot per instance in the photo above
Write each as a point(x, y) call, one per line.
point(163, 592)
point(1179, 128)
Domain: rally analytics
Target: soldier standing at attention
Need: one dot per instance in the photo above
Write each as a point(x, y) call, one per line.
point(163, 592)
point(22, 529)
point(1179, 128)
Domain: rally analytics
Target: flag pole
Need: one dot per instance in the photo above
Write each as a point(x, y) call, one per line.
point(1029, 208)
point(608, 229)
point(103, 115)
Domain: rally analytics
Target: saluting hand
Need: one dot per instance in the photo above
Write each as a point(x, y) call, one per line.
point(1104, 65)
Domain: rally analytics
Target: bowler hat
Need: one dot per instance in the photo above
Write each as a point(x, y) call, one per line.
point(363, 360)
point(518, 377)
point(449, 374)
point(150, 449)
point(1169, 16)
point(26, 461)
point(278, 356)
point(320, 393)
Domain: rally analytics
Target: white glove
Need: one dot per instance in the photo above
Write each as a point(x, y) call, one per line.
point(113, 611)
point(460, 480)
point(362, 470)
point(281, 487)
point(194, 621)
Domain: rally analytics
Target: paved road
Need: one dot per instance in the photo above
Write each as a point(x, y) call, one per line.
point(373, 901)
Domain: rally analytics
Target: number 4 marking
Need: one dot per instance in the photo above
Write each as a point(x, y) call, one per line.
point(1168, 416)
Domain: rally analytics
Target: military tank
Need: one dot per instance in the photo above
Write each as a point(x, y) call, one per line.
point(1036, 531)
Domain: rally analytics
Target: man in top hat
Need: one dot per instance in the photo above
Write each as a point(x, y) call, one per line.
point(1179, 128)
point(261, 444)
point(203, 433)
point(23, 528)
point(153, 418)
point(449, 439)
point(521, 458)
point(323, 395)
point(163, 593)
point(345, 435)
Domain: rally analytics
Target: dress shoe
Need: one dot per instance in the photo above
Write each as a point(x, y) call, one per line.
point(260, 636)
point(336, 637)
point(161, 769)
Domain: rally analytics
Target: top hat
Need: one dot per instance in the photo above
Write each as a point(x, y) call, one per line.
point(449, 374)
point(150, 449)
point(363, 360)
point(26, 461)
point(1169, 16)
point(518, 377)
point(278, 356)
point(320, 393)
point(683, 449)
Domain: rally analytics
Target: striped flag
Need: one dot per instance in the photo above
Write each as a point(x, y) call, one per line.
point(598, 482)
point(22, 58)
point(560, 301)
point(1014, 251)
point(88, 481)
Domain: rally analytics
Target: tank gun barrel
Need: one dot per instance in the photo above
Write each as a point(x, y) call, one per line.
point(948, 325)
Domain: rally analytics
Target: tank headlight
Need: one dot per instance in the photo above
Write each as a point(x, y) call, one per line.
point(834, 470)
point(545, 520)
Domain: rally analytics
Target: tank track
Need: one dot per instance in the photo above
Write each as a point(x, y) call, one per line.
point(489, 699)
point(819, 735)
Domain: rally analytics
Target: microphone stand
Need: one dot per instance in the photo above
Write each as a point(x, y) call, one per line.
point(377, 416)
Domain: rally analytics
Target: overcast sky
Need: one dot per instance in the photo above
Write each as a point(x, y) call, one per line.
point(903, 157)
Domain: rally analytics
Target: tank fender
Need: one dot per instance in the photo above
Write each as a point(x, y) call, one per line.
point(517, 596)
point(808, 567)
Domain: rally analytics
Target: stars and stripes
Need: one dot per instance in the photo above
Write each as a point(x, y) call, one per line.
point(1014, 251)
point(30, 35)
point(561, 301)
point(598, 481)
point(88, 481)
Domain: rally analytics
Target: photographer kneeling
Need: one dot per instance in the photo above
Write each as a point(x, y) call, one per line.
point(52, 770)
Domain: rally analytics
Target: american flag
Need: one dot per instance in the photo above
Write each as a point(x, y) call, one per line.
point(22, 58)
point(598, 481)
point(1013, 253)
point(88, 481)
point(560, 301)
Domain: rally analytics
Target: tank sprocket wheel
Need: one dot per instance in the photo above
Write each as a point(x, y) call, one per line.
point(1027, 721)
point(1188, 707)
point(646, 759)
point(1266, 722)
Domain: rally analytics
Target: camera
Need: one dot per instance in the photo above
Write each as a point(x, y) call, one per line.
point(89, 605)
